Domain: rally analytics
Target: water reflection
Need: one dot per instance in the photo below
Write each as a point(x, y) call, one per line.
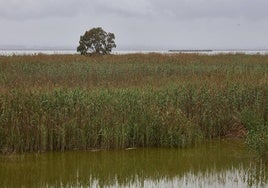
point(213, 164)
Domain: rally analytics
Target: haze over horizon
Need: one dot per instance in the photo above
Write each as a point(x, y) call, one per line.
point(137, 25)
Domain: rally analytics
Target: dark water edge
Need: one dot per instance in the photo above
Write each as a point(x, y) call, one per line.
point(211, 164)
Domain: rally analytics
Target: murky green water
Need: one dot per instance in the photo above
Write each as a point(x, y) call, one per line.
point(213, 164)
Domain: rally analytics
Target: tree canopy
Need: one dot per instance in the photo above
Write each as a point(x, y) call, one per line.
point(96, 41)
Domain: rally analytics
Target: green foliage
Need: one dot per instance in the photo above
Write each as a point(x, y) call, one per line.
point(97, 41)
point(66, 102)
point(120, 118)
point(257, 136)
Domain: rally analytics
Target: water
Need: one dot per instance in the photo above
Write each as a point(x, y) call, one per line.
point(35, 52)
point(50, 52)
point(212, 164)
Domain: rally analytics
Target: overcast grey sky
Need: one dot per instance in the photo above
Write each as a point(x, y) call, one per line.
point(137, 24)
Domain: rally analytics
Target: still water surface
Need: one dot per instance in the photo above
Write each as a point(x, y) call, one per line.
point(212, 164)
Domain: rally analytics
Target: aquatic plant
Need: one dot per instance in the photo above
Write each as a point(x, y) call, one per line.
point(257, 126)
point(68, 102)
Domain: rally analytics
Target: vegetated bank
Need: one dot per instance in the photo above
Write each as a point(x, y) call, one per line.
point(67, 102)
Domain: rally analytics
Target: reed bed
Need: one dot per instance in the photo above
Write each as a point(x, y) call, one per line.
point(125, 71)
point(68, 102)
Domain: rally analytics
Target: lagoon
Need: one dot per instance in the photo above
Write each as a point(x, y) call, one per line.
point(220, 163)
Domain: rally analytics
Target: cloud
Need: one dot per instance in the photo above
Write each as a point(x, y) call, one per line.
point(148, 9)
point(36, 9)
point(137, 23)
point(126, 7)
point(212, 9)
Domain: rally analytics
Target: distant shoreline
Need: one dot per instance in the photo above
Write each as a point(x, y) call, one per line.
point(145, 50)
point(190, 50)
point(9, 52)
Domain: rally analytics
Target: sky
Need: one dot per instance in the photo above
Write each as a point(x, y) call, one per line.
point(137, 24)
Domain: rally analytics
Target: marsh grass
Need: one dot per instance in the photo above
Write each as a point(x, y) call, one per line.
point(67, 102)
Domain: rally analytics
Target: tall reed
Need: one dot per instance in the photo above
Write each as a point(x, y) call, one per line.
point(56, 103)
point(176, 116)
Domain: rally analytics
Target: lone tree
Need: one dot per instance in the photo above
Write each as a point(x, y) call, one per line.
point(96, 41)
